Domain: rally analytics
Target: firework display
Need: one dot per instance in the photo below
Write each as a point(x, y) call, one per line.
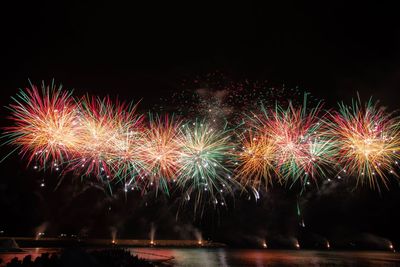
point(295, 143)
point(368, 139)
point(204, 153)
point(109, 136)
point(283, 143)
point(45, 125)
point(256, 160)
point(160, 150)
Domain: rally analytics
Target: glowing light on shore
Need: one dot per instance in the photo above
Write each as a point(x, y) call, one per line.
point(297, 244)
point(264, 244)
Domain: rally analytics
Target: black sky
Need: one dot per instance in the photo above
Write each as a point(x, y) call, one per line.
point(331, 49)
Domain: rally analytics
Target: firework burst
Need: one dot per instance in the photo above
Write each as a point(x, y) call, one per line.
point(368, 141)
point(204, 155)
point(109, 139)
point(45, 125)
point(161, 150)
point(256, 160)
point(303, 150)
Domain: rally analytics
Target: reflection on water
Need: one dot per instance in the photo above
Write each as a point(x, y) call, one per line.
point(252, 257)
point(249, 257)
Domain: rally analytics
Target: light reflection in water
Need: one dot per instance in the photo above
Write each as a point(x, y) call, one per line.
point(260, 257)
point(203, 257)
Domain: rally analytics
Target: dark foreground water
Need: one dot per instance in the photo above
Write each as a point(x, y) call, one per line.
point(249, 257)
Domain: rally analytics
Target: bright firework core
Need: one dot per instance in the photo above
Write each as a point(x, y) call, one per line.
point(369, 147)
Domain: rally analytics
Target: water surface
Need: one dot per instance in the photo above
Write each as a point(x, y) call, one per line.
point(203, 257)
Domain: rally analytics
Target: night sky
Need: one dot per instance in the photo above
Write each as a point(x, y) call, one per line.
point(332, 50)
